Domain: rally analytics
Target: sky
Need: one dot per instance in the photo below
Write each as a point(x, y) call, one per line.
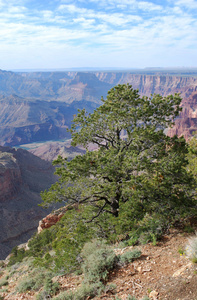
point(58, 34)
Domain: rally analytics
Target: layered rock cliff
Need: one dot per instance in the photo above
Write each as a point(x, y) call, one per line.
point(23, 121)
point(22, 177)
point(45, 102)
point(186, 123)
point(150, 84)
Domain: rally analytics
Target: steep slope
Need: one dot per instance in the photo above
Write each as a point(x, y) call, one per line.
point(22, 177)
point(23, 121)
point(186, 123)
point(160, 273)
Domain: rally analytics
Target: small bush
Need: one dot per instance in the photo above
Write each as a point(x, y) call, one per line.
point(17, 255)
point(50, 286)
point(43, 295)
point(65, 296)
point(2, 264)
point(3, 291)
point(85, 291)
point(3, 282)
point(129, 256)
point(148, 229)
point(25, 285)
point(181, 251)
point(133, 240)
point(50, 289)
point(110, 288)
point(188, 229)
point(99, 259)
point(89, 290)
point(191, 249)
point(34, 281)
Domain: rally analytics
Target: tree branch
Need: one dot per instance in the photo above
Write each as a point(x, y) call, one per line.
point(98, 214)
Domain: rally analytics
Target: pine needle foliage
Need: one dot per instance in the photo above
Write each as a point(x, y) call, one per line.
point(137, 169)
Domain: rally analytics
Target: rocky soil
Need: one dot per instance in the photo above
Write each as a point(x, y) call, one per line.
point(163, 272)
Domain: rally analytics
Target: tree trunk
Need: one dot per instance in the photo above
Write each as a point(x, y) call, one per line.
point(115, 206)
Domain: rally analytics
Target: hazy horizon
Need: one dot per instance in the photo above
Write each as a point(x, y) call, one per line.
point(110, 69)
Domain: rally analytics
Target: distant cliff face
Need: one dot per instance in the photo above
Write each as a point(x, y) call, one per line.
point(186, 123)
point(50, 86)
point(90, 86)
point(23, 121)
point(150, 84)
point(10, 176)
point(40, 106)
point(22, 177)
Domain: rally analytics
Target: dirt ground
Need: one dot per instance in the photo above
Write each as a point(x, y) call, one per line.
point(163, 272)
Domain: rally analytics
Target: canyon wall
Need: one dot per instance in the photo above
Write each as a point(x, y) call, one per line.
point(186, 122)
point(22, 177)
point(40, 106)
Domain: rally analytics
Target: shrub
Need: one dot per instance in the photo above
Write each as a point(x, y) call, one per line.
point(50, 289)
point(59, 246)
point(42, 296)
point(88, 290)
point(3, 281)
point(191, 249)
point(110, 288)
point(129, 256)
point(64, 296)
point(85, 291)
point(34, 281)
point(26, 285)
point(99, 259)
point(40, 243)
point(17, 255)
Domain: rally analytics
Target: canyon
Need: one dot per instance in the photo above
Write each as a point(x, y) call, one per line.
point(38, 107)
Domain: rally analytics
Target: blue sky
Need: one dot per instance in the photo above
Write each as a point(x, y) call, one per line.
point(97, 33)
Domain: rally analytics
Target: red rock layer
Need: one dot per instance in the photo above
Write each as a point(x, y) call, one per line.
point(186, 123)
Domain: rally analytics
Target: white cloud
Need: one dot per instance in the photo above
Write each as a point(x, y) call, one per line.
point(148, 6)
point(177, 10)
point(123, 4)
point(191, 4)
point(16, 9)
point(116, 19)
point(103, 31)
